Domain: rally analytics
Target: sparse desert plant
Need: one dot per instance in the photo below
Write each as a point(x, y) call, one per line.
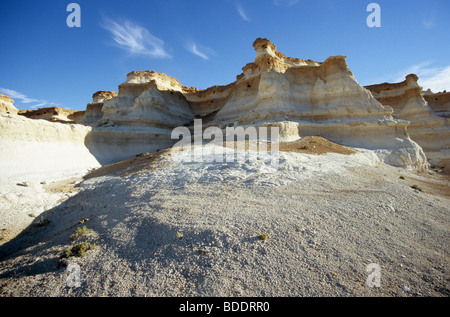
point(263, 236)
point(81, 249)
point(80, 232)
point(42, 222)
point(65, 254)
point(78, 250)
point(402, 177)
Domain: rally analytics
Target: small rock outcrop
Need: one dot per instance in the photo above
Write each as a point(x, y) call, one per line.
point(93, 111)
point(7, 105)
point(151, 99)
point(54, 114)
point(439, 102)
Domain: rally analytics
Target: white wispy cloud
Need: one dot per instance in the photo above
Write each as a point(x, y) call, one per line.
point(199, 50)
point(436, 78)
point(194, 50)
point(285, 3)
point(17, 95)
point(31, 102)
point(135, 39)
point(241, 12)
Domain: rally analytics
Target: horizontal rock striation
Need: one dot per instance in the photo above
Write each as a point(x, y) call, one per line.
point(93, 111)
point(323, 98)
point(430, 131)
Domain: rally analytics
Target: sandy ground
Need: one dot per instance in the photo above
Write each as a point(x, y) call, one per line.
point(167, 228)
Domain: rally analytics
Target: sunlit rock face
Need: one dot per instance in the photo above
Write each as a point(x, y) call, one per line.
point(149, 99)
point(7, 105)
point(429, 130)
point(54, 114)
point(439, 102)
point(138, 119)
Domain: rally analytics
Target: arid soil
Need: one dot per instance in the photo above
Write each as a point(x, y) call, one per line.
point(163, 228)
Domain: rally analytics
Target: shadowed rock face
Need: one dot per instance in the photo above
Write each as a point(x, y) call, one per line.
point(430, 131)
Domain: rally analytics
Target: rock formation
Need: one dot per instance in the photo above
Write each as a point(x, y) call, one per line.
point(93, 111)
point(42, 143)
point(149, 99)
point(429, 130)
point(322, 99)
point(439, 102)
point(6, 105)
point(302, 97)
point(42, 148)
point(54, 114)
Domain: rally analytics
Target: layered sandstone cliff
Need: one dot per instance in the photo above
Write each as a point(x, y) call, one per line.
point(302, 97)
point(324, 99)
point(138, 119)
point(430, 131)
point(319, 98)
point(149, 99)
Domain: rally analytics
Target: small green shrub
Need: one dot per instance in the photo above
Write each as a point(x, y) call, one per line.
point(81, 249)
point(402, 177)
point(81, 231)
point(78, 250)
point(65, 254)
point(42, 222)
point(263, 236)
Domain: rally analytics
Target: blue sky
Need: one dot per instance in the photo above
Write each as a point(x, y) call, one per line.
point(203, 43)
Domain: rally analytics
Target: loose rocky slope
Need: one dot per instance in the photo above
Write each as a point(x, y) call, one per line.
point(175, 229)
